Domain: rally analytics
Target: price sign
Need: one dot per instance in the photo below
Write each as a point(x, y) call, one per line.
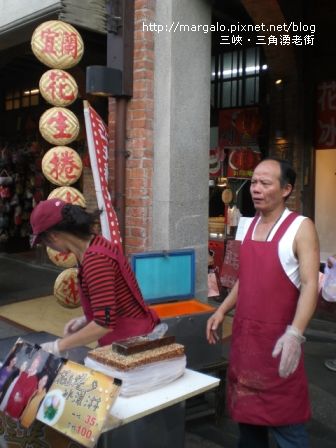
point(78, 403)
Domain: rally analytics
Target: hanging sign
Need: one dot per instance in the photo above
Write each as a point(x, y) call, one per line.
point(57, 44)
point(78, 403)
point(62, 165)
point(325, 131)
point(58, 87)
point(66, 288)
point(238, 135)
point(59, 126)
point(97, 138)
point(68, 194)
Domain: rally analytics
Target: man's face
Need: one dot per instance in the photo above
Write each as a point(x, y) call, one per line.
point(266, 192)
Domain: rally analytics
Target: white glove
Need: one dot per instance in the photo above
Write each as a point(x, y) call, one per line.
point(158, 332)
point(51, 347)
point(289, 344)
point(74, 325)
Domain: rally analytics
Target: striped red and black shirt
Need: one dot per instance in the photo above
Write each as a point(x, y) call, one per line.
point(103, 283)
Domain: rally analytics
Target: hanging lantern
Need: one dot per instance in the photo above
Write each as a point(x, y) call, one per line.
point(66, 288)
point(62, 259)
point(57, 44)
point(62, 165)
point(59, 126)
point(68, 194)
point(58, 87)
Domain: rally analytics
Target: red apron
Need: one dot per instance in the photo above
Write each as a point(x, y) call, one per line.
point(266, 304)
point(125, 326)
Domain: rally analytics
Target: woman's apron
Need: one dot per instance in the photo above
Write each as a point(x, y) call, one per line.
point(125, 326)
point(266, 304)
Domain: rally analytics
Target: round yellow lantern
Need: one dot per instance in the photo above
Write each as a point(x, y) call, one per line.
point(58, 87)
point(59, 126)
point(62, 165)
point(62, 259)
point(57, 44)
point(68, 194)
point(66, 288)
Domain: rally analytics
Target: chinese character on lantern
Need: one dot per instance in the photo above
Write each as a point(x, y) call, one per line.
point(57, 44)
point(58, 87)
point(62, 165)
point(66, 288)
point(59, 126)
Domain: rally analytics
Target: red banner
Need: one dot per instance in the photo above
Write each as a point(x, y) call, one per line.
point(230, 268)
point(325, 137)
point(238, 137)
point(97, 137)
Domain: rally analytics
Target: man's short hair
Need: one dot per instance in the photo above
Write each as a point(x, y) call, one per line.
point(287, 172)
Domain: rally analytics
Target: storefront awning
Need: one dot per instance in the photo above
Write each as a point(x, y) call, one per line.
point(18, 18)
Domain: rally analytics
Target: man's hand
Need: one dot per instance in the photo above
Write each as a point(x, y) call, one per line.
point(74, 325)
point(289, 345)
point(213, 325)
point(51, 347)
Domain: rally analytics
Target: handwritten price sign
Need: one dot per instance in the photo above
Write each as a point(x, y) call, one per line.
point(78, 403)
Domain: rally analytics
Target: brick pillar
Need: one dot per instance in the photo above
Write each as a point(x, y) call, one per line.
point(139, 165)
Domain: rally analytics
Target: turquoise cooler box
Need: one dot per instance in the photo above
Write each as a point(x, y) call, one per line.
point(167, 282)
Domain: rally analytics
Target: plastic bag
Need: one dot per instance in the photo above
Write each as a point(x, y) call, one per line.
point(213, 289)
point(329, 283)
point(144, 378)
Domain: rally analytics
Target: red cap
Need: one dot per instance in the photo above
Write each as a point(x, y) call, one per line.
point(45, 215)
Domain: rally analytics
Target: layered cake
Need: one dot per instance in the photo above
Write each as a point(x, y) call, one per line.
point(140, 364)
point(109, 357)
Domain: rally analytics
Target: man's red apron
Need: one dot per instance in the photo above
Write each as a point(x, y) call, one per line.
point(266, 304)
point(125, 326)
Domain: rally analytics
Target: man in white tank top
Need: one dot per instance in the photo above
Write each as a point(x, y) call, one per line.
point(279, 278)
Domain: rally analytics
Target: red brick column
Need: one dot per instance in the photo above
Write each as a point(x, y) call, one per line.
point(140, 117)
